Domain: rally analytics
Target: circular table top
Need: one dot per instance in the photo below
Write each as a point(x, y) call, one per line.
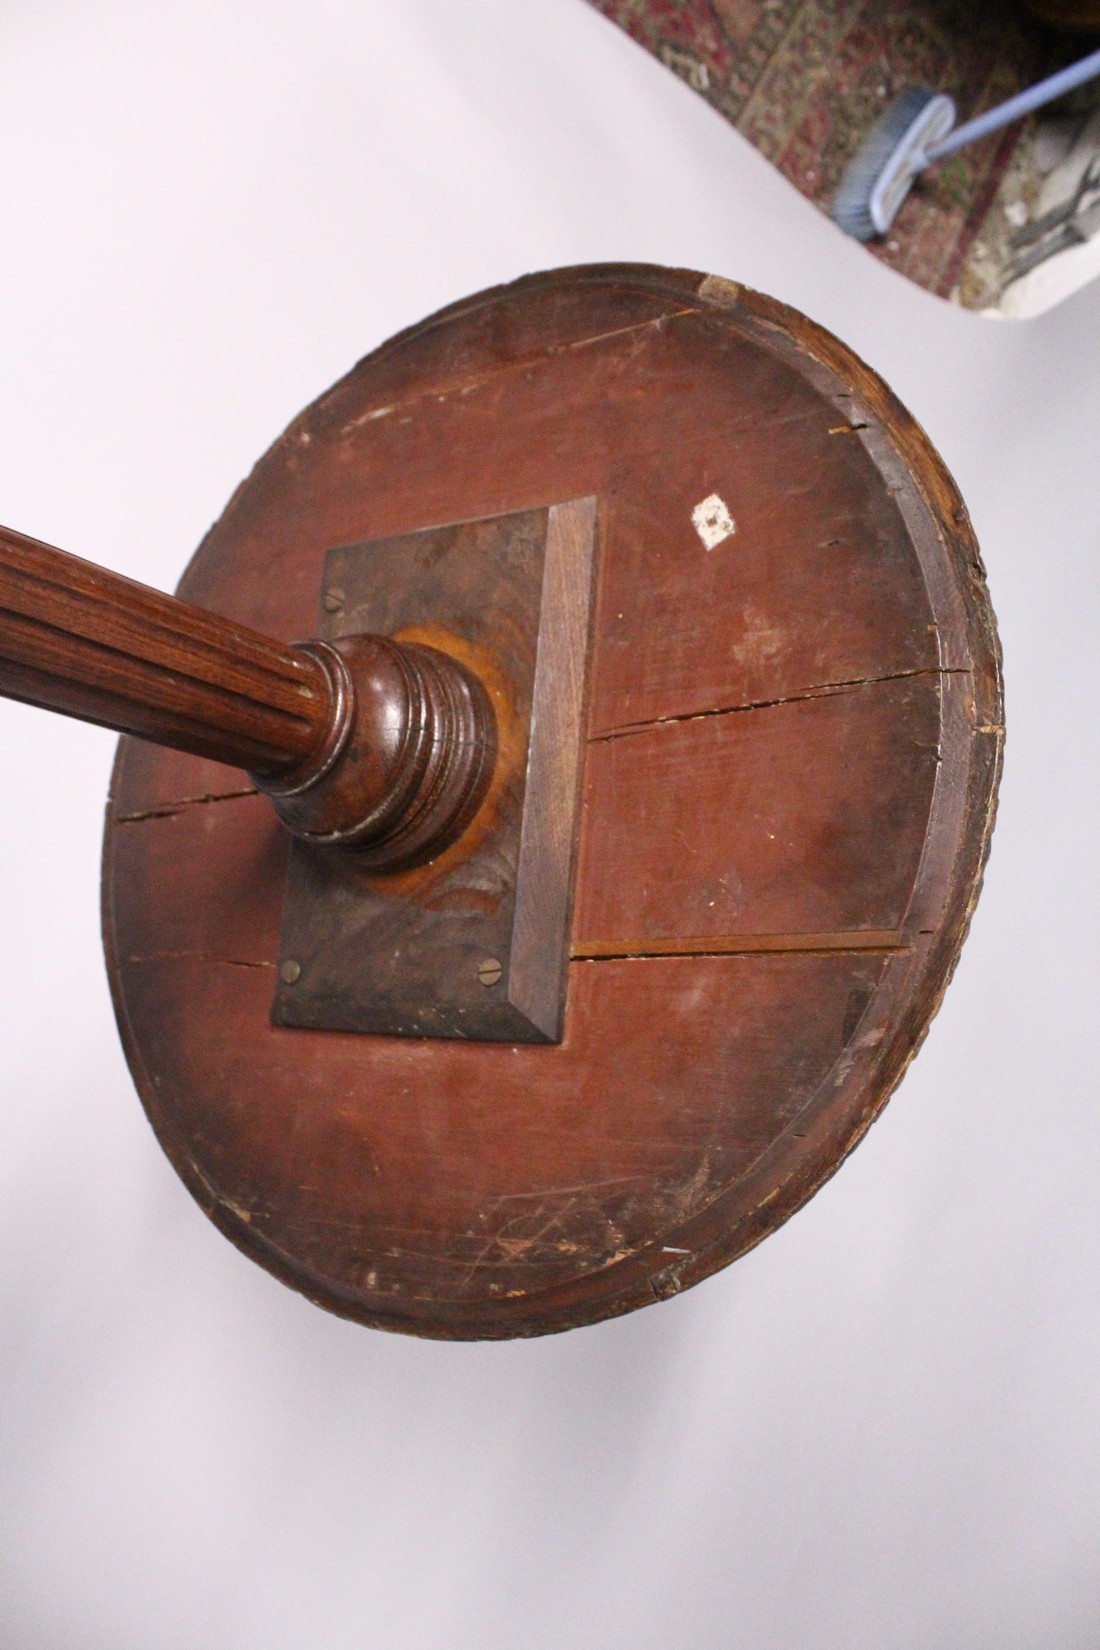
point(793, 744)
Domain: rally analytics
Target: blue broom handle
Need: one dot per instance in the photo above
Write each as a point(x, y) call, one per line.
point(1034, 98)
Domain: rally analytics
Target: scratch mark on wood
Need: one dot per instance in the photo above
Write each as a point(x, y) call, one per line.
point(237, 1209)
point(564, 1191)
point(443, 390)
point(653, 325)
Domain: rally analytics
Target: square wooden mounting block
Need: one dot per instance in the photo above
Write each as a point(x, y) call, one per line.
point(476, 943)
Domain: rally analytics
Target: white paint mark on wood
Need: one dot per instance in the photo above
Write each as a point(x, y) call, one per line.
point(712, 521)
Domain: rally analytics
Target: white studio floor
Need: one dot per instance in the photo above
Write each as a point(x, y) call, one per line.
point(880, 1430)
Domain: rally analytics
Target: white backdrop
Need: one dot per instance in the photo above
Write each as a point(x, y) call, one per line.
point(879, 1431)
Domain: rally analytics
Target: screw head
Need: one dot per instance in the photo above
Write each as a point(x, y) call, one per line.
point(333, 600)
point(290, 971)
point(489, 971)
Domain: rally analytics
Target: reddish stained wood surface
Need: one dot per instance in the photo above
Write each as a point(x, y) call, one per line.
point(794, 745)
point(789, 809)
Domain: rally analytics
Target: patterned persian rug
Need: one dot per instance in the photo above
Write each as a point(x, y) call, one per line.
point(804, 80)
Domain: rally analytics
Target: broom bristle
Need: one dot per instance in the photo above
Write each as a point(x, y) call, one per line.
point(851, 209)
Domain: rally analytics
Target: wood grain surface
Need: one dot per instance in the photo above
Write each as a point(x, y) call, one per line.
point(793, 746)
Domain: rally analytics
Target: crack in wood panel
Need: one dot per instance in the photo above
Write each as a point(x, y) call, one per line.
point(876, 940)
point(822, 690)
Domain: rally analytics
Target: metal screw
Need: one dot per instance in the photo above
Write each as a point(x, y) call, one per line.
point(489, 971)
point(334, 600)
point(290, 971)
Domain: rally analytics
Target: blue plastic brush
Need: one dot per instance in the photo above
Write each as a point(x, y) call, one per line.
point(919, 129)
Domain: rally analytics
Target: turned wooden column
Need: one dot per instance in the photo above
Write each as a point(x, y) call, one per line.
point(362, 743)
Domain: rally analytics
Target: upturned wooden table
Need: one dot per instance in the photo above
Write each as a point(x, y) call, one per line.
point(541, 931)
